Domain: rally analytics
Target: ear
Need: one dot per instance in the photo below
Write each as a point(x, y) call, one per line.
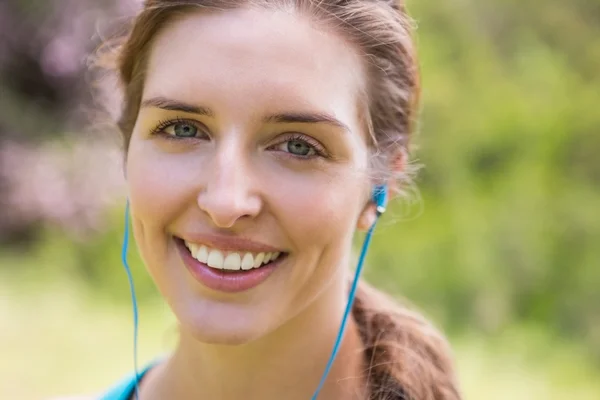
point(374, 208)
point(368, 215)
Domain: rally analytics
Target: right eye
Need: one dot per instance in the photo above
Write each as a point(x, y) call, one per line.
point(180, 129)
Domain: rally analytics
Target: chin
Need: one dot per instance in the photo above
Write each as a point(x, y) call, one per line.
point(223, 335)
point(222, 327)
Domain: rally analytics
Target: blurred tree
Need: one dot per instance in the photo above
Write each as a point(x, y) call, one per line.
point(45, 95)
point(511, 188)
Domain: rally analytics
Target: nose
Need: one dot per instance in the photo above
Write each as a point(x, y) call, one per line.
point(228, 197)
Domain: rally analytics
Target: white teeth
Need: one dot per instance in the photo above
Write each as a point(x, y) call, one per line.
point(232, 262)
point(193, 248)
point(258, 260)
point(247, 262)
point(202, 254)
point(267, 257)
point(215, 259)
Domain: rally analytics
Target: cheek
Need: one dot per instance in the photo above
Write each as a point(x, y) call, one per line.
point(319, 219)
point(158, 195)
point(319, 213)
point(318, 208)
point(156, 185)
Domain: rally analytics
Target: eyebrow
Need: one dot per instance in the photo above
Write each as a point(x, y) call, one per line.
point(281, 118)
point(305, 118)
point(174, 105)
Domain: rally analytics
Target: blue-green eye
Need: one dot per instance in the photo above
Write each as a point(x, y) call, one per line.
point(184, 130)
point(300, 148)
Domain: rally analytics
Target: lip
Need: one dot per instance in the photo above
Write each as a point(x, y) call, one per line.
point(225, 281)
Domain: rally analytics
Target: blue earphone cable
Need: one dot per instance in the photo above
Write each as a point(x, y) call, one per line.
point(379, 198)
point(133, 296)
point(347, 311)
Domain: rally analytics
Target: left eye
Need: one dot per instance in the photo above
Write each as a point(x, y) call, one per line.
point(297, 147)
point(300, 148)
point(182, 129)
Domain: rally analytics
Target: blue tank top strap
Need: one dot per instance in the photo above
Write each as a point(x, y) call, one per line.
point(125, 388)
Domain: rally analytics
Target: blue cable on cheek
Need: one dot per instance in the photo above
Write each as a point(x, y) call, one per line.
point(133, 297)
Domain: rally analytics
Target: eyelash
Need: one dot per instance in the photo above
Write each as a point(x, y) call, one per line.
point(163, 124)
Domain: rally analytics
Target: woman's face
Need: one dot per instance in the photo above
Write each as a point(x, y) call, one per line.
point(248, 147)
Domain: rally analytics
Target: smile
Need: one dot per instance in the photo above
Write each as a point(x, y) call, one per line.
point(236, 266)
point(230, 260)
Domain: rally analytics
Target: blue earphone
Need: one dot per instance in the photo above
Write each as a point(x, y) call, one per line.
point(379, 198)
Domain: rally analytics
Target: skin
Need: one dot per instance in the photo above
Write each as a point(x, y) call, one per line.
point(238, 178)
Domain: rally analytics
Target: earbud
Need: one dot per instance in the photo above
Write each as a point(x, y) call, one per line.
point(379, 197)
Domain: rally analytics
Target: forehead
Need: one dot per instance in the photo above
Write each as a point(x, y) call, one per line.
point(273, 58)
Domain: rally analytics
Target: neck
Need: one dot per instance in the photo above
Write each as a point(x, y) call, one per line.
point(288, 363)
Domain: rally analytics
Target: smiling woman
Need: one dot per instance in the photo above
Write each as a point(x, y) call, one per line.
point(254, 134)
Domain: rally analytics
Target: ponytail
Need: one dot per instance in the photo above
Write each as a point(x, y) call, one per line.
point(407, 358)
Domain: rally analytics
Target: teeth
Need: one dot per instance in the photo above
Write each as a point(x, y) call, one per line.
point(247, 262)
point(215, 259)
point(232, 261)
point(202, 254)
point(193, 248)
point(258, 260)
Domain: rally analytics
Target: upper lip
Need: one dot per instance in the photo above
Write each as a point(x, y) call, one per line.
point(228, 243)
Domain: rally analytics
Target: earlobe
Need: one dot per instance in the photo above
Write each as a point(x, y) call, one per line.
point(367, 217)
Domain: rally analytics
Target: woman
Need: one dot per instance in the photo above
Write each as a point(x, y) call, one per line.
point(254, 134)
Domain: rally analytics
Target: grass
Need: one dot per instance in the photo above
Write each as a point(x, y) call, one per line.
point(57, 340)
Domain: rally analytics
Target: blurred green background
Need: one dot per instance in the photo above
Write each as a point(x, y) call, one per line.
point(500, 247)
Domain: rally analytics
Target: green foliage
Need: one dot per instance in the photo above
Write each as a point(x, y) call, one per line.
point(510, 221)
point(91, 263)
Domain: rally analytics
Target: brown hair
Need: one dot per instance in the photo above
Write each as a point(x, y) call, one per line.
point(407, 357)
